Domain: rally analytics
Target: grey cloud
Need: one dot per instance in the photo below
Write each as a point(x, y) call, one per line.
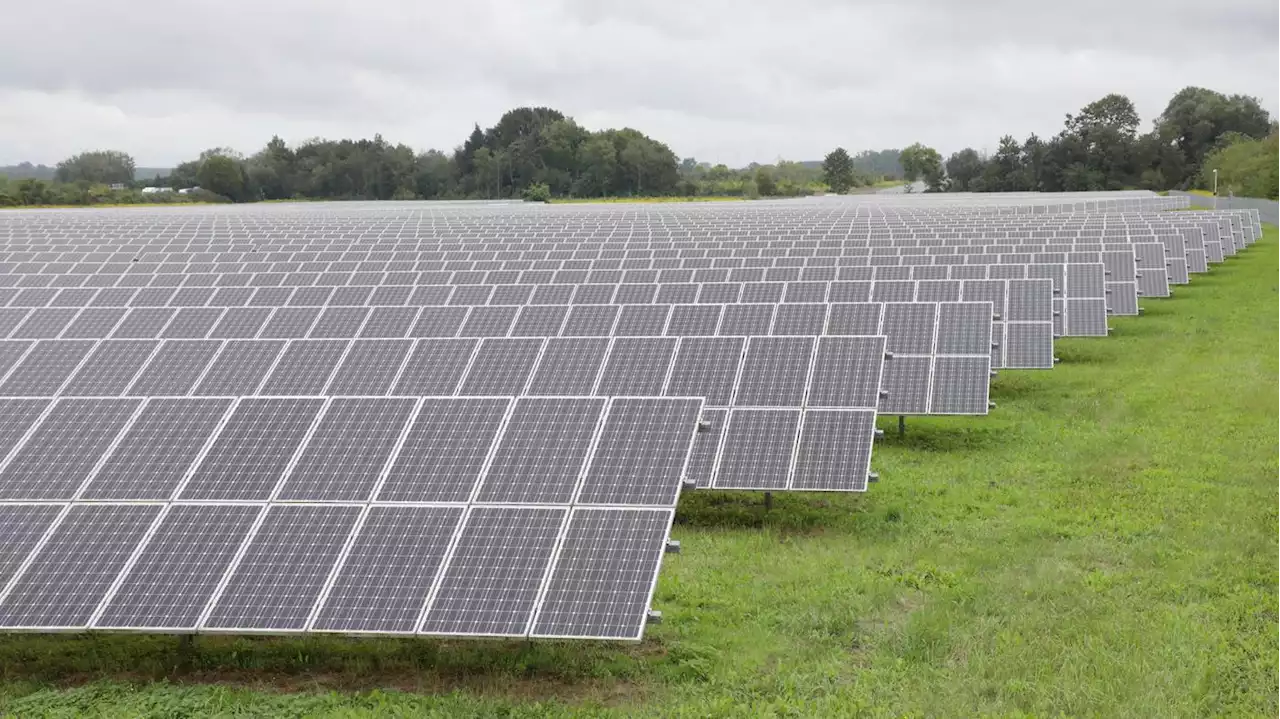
point(721, 80)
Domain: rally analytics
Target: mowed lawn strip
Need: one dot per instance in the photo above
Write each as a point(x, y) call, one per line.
point(1104, 544)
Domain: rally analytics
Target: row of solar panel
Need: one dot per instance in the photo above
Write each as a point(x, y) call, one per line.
point(750, 264)
point(527, 450)
point(581, 572)
point(1084, 279)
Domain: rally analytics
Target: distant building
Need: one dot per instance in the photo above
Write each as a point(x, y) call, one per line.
point(116, 186)
point(153, 190)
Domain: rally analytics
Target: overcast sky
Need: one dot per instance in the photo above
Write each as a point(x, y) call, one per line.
point(730, 81)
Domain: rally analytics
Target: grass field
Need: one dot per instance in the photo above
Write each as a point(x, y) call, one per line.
point(1103, 544)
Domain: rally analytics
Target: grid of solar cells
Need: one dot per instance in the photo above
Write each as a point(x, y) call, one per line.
point(181, 565)
point(142, 295)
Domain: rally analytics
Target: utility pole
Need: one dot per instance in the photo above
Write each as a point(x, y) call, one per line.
point(1215, 188)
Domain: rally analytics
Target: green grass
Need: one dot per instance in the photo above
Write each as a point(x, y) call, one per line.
point(1103, 544)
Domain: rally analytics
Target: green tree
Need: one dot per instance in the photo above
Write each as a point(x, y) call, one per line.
point(1193, 121)
point(222, 175)
point(837, 171)
point(963, 168)
point(102, 166)
point(923, 163)
point(765, 183)
point(1246, 167)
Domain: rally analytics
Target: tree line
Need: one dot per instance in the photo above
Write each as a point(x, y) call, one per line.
point(1101, 148)
point(534, 153)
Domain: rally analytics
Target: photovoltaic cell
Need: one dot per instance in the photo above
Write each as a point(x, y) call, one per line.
point(239, 368)
point(641, 454)
point(491, 582)
point(75, 567)
point(178, 570)
point(387, 574)
point(253, 449)
point(757, 449)
point(62, 451)
point(158, 448)
point(637, 366)
point(569, 366)
point(283, 570)
point(603, 578)
point(445, 450)
point(834, 452)
point(346, 453)
point(541, 454)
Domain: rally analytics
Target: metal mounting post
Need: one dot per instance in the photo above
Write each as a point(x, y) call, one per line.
point(768, 501)
point(902, 426)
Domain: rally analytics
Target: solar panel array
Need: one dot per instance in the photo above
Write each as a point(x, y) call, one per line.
point(475, 420)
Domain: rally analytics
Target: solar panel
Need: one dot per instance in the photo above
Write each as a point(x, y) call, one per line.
point(834, 450)
point(960, 385)
point(641, 453)
point(775, 372)
point(757, 449)
point(637, 366)
point(490, 586)
point(569, 366)
point(110, 368)
point(369, 367)
point(154, 453)
point(603, 577)
point(61, 452)
point(239, 368)
point(445, 450)
point(501, 366)
point(345, 454)
point(846, 372)
point(253, 449)
point(179, 567)
point(283, 569)
point(305, 367)
point(387, 574)
point(45, 368)
point(175, 368)
point(541, 454)
point(73, 568)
